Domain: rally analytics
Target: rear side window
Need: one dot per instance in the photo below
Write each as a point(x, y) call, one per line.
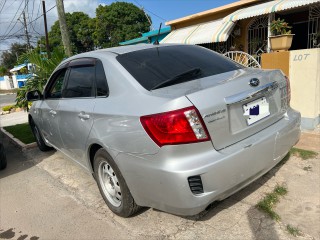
point(152, 67)
point(101, 81)
point(80, 82)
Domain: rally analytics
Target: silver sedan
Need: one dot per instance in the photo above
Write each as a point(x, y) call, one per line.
point(173, 127)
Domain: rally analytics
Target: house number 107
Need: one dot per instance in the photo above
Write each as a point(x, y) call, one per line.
point(300, 57)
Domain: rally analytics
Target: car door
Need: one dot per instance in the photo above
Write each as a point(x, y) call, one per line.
point(76, 108)
point(49, 108)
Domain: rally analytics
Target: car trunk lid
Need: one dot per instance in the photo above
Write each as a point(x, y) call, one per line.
point(233, 110)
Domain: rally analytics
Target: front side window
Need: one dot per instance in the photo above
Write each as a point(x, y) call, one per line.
point(55, 88)
point(80, 82)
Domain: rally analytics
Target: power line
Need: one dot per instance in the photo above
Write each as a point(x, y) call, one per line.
point(4, 3)
point(32, 25)
point(13, 35)
point(13, 20)
point(149, 11)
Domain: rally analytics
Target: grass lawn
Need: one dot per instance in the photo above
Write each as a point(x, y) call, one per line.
point(22, 132)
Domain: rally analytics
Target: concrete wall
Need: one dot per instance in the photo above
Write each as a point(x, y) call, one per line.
point(15, 81)
point(5, 83)
point(305, 85)
point(276, 60)
point(303, 69)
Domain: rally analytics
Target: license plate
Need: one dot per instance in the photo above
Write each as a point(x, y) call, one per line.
point(256, 110)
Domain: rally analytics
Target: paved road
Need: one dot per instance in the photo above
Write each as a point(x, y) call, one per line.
point(46, 196)
point(7, 99)
point(34, 205)
point(13, 118)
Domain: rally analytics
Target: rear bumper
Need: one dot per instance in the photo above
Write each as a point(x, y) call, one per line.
point(161, 180)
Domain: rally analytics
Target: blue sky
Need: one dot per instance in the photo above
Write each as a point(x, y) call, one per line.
point(12, 29)
point(166, 10)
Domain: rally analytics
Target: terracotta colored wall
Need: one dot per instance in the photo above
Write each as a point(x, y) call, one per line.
point(276, 60)
point(304, 70)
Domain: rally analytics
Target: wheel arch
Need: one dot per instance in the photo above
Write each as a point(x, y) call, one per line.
point(91, 153)
point(30, 119)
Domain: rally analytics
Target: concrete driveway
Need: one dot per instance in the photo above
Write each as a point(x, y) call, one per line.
point(46, 196)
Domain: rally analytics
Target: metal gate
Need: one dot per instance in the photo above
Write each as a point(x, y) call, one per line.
point(258, 37)
point(314, 27)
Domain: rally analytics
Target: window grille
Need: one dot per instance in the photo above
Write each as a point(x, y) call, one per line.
point(314, 26)
point(258, 37)
point(220, 47)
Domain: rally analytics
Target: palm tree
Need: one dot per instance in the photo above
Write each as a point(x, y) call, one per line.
point(42, 69)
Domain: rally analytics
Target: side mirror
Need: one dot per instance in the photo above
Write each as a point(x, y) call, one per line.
point(34, 95)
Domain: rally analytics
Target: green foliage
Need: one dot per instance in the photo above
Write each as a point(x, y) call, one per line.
point(9, 57)
point(42, 70)
point(118, 22)
point(81, 28)
point(270, 200)
point(280, 190)
point(114, 23)
point(293, 230)
point(3, 71)
point(280, 27)
point(22, 132)
point(7, 108)
point(304, 154)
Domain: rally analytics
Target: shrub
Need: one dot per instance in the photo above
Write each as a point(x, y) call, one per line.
point(7, 108)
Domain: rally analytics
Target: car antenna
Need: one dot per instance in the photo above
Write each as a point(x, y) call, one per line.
point(156, 42)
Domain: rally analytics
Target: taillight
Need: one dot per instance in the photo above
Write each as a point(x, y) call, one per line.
point(175, 127)
point(288, 90)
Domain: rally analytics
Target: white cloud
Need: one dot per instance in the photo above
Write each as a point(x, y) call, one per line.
point(11, 29)
point(86, 6)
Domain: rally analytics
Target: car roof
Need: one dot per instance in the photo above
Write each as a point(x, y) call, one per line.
point(115, 50)
point(131, 48)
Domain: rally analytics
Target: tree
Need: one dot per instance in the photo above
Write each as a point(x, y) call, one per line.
point(42, 69)
point(9, 58)
point(118, 22)
point(63, 27)
point(3, 71)
point(81, 28)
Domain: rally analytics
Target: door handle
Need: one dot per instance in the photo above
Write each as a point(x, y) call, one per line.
point(53, 112)
point(83, 116)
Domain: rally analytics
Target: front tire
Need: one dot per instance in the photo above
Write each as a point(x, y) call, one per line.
point(3, 158)
point(40, 142)
point(112, 185)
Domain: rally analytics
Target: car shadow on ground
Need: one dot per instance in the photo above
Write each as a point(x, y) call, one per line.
point(19, 160)
point(216, 207)
point(261, 225)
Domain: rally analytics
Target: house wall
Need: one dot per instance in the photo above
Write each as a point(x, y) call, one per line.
point(305, 85)
point(211, 14)
point(304, 70)
point(198, 20)
point(276, 60)
point(5, 83)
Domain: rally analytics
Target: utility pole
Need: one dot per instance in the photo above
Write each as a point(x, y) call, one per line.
point(46, 28)
point(26, 29)
point(151, 27)
point(64, 28)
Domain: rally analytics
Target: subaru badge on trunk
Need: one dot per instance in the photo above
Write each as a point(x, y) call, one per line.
point(254, 82)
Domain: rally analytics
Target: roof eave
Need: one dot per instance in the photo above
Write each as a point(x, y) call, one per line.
point(210, 12)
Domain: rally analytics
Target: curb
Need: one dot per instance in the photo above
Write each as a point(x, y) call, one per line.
point(17, 142)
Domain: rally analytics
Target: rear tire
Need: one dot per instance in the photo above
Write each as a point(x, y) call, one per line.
point(3, 158)
point(40, 142)
point(112, 185)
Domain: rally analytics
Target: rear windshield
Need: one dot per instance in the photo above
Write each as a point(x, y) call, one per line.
point(164, 66)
